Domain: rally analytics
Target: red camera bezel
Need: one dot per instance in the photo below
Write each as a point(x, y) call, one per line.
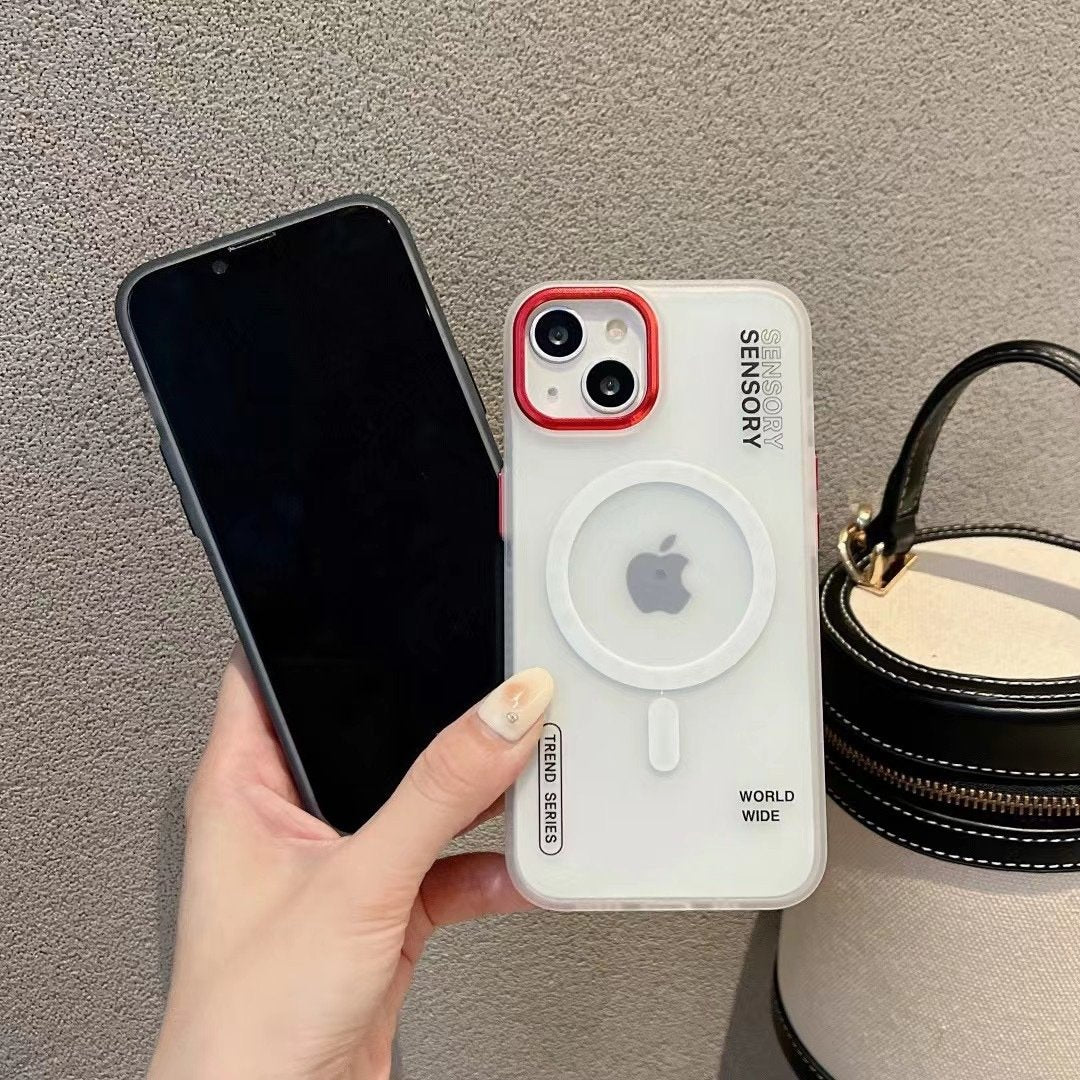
point(616, 422)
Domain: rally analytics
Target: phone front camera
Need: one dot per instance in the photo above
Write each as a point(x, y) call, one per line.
point(609, 385)
point(558, 334)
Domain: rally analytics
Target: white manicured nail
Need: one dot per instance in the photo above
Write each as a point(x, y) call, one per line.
point(512, 708)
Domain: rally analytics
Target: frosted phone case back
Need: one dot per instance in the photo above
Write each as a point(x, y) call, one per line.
point(666, 575)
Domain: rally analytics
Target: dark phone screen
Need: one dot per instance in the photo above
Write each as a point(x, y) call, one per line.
point(346, 482)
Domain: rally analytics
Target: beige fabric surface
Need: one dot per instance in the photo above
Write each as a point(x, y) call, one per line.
point(904, 966)
point(910, 169)
point(997, 607)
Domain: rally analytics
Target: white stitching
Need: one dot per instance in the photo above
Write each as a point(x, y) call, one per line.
point(953, 828)
point(795, 1043)
point(944, 854)
point(978, 530)
point(940, 761)
point(921, 685)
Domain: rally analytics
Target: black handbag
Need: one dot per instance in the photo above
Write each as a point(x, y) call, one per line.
point(943, 941)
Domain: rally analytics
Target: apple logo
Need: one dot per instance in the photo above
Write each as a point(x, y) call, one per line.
point(655, 580)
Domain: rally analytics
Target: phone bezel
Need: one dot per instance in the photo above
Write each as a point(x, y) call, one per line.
point(175, 462)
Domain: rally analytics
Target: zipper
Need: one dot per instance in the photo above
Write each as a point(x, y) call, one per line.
point(988, 799)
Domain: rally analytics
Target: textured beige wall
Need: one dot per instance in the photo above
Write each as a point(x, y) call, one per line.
point(909, 168)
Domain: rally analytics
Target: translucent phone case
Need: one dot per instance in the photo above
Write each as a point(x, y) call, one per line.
point(665, 572)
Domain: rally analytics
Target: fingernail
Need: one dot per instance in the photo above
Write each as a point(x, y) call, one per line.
point(512, 708)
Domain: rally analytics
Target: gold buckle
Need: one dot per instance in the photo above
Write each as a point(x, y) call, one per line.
point(872, 570)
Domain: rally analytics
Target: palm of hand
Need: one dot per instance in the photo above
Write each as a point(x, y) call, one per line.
point(296, 946)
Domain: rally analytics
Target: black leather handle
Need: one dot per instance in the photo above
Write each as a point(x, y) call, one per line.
point(894, 524)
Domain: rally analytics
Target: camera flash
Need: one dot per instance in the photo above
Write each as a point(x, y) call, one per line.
point(552, 392)
point(616, 330)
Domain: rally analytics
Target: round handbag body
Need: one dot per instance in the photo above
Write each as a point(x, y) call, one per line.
point(944, 941)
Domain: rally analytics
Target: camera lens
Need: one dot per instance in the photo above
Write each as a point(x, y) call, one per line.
point(609, 385)
point(558, 334)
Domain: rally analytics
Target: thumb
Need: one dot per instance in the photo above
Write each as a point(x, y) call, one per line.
point(465, 768)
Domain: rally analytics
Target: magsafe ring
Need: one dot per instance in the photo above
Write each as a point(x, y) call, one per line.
point(739, 536)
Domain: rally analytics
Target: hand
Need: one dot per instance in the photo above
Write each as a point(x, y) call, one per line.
point(295, 946)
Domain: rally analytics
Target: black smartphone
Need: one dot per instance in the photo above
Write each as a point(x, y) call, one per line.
point(332, 454)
